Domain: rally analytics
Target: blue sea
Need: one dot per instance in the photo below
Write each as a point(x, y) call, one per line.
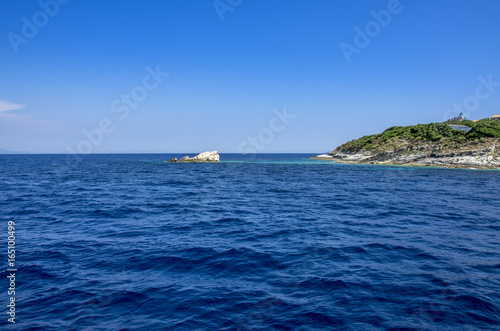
point(255, 242)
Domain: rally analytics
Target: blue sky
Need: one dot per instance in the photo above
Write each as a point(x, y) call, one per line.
point(233, 66)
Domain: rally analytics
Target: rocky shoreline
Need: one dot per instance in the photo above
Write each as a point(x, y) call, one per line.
point(481, 154)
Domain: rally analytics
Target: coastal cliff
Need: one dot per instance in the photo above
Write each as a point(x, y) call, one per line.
point(435, 144)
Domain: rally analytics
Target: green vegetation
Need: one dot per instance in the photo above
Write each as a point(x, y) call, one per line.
point(433, 132)
point(485, 129)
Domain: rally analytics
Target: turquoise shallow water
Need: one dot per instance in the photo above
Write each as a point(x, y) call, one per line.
point(275, 241)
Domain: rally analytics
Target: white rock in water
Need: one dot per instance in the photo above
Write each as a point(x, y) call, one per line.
point(202, 157)
point(207, 157)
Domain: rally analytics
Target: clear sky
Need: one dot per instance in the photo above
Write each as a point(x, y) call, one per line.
point(243, 75)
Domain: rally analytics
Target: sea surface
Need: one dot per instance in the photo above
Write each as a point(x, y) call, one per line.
point(255, 242)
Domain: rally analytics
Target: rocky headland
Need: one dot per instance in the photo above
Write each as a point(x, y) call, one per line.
point(202, 157)
point(435, 144)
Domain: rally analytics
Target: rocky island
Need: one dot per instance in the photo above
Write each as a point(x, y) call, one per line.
point(455, 144)
point(202, 157)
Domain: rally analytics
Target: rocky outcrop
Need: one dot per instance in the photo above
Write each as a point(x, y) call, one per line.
point(445, 144)
point(483, 154)
point(202, 157)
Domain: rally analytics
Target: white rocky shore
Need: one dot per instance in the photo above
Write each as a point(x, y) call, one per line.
point(482, 155)
point(202, 157)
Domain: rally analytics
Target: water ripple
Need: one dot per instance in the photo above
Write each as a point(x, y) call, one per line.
point(126, 242)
